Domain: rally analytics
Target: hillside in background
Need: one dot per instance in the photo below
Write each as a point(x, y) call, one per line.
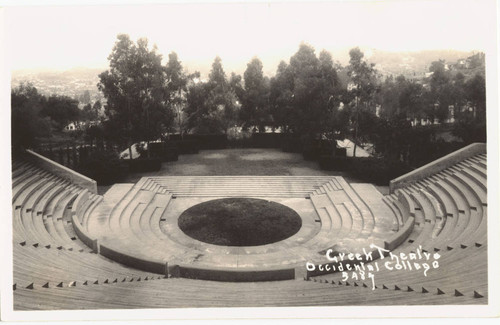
point(76, 81)
point(412, 64)
point(72, 83)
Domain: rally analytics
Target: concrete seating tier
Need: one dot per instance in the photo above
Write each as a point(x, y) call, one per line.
point(185, 292)
point(444, 213)
point(450, 211)
point(47, 252)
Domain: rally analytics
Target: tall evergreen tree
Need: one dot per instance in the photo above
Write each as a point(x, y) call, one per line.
point(135, 92)
point(363, 77)
point(254, 109)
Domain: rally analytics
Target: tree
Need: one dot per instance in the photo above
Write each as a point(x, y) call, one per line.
point(314, 86)
point(212, 106)
point(475, 92)
point(254, 108)
point(135, 92)
point(331, 94)
point(441, 94)
point(97, 108)
point(281, 97)
point(26, 121)
point(235, 83)
point(411, 101)
point(61, 110)
point(89, 113)
point(363, 77)
point(439, 76)
point(471, 124)
point(196, 109)
point(389, 97)
point(177, 86)
point(85, 98)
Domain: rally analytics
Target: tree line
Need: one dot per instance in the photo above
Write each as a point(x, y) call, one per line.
point(310, 97)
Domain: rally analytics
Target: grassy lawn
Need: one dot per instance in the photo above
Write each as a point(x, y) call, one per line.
point(239, 222)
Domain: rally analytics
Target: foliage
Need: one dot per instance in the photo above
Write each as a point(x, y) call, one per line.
point(143, 165)
point(254, 108)
point(363, 77)
point(304, 94)
point(135, 92)
point(212, 107)
point(26, 120)
point(366, 169)
point(470, 131)
point(85, 97)
point(61, 110)
point(281, 96)
point(103, 166)
point(177, 81)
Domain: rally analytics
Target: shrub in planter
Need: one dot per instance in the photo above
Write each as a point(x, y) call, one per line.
point(170, 153)
point(143, 165)
point(156, 149)
point(290, 143)
point(266, 140)
point(377, 170)
point(367, 169)
point(165, 151)
point(329, 162)
point(104, 167)
point(326, 147)
point(187, 146)
point(341, 152)
point(310, 153)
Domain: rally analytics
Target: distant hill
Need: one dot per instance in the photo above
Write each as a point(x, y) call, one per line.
point(72, 83)
point(412, 64)
point(75, 81)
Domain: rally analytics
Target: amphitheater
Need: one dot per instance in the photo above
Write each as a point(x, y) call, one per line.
point(75, 249)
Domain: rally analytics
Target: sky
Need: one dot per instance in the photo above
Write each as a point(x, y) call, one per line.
point(63, 37)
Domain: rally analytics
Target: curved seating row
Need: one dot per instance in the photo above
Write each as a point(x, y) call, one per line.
point(347, 220)
point(444, 214)
point(185, 292)
point(450, 212)
point(47, 251)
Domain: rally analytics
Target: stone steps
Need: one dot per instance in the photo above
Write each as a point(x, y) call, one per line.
point(241, 186)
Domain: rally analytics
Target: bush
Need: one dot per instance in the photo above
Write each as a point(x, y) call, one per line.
point(341, 152)
point(104, 167)
point(186, 146)
point(211, 141)
point(266, 140)
point(165, 151)
point(313, 149)
point(367, 169)
point(203, 141)
point(377, 170)
point(142, 165)
point(289, 143)
point(329, 162)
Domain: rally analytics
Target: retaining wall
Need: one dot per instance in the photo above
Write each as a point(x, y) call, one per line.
point(62, 171)
point(437, 165)
point(235, 276)
point(152, 266)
